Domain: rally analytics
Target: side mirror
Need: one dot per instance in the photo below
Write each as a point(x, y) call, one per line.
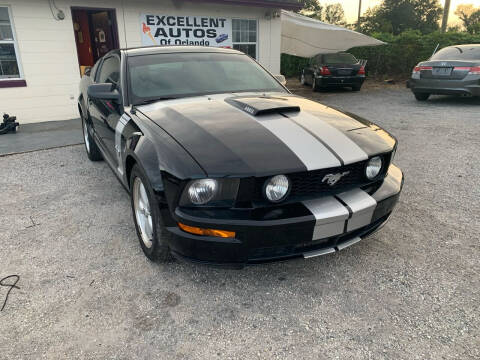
point(105, 91)
point(281, 79)
point(87, 71)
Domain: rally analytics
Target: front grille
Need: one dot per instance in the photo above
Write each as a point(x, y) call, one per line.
point(312, 184)
point(315, 182)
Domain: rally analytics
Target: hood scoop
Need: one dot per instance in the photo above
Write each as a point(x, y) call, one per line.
point(263, 105)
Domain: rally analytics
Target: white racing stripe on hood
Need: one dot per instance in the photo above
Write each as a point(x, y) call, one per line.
point(317, 144)
point(339, 143)
point(306, 147)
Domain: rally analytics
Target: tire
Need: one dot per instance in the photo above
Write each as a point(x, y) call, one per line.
point(152, 235)
point(93, 152)
point(421, 96)
point(302, 79)
point(356, 87)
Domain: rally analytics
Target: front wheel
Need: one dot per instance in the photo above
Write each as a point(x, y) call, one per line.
point(421, 96)
point(93, 152)
point(151, 233)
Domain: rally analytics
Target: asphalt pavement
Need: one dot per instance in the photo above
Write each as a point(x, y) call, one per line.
point(411, 291)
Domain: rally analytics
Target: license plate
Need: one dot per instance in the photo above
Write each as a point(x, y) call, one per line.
point(344, 72)
point(442, 71)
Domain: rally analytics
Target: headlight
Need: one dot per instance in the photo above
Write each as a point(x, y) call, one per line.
point(373, 168)
point(210, 192)
point(202, 191)
point(276, 188)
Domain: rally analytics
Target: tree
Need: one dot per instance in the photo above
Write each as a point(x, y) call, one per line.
point(470, 17)
point(334, 14)
point(396, 16)
point(311, 8)
point(374, 20)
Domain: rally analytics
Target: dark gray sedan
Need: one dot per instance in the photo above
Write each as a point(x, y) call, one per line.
point(454, 70)
point(333, 70)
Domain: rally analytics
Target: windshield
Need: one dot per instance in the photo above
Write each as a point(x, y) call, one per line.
point(189, 74)
point(339, 58)
point(458, 53)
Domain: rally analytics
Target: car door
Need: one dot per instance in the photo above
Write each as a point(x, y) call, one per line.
point(105, 114)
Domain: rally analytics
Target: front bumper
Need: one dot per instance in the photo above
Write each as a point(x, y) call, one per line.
point(470, 85)
point(307, 229)
point(326, 81)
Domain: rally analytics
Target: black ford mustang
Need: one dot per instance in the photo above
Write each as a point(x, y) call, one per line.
point(225, 166)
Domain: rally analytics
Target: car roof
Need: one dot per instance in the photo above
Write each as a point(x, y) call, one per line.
point(169, 49)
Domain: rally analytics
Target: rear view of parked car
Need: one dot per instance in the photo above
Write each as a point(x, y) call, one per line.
point(454, 70)
point(333, 70)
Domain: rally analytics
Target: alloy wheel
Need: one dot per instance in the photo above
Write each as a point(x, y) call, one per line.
point(86, 136)
point(142, 212)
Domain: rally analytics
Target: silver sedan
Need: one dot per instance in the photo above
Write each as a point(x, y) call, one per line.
point(454, 70)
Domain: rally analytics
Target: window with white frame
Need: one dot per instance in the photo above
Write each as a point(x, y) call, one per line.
point(9, 64)
point(244, 34)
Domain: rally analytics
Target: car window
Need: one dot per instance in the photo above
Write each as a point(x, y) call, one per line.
point(340, 58)
point(109, 71)
point(458, 53)
point(189, 74)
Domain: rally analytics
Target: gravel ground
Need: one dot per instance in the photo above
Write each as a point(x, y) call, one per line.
point(408, 292)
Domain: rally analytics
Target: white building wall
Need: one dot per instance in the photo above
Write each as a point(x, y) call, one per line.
point(48, 54)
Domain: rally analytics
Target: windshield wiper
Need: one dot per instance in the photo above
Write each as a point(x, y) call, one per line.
point(150, 101)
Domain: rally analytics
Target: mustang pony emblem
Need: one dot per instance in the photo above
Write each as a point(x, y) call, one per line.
point(332, 179)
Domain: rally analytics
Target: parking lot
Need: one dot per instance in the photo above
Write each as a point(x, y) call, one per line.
point(410, 291)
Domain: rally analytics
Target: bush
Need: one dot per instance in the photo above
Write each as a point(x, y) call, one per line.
point(398, 57)
point(291, 65)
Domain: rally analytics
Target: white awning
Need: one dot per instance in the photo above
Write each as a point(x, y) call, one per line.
point(306, 37)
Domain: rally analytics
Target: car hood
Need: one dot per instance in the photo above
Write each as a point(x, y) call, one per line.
point(266, 134)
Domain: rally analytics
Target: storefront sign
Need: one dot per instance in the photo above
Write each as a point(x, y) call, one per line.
point(185, 30)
